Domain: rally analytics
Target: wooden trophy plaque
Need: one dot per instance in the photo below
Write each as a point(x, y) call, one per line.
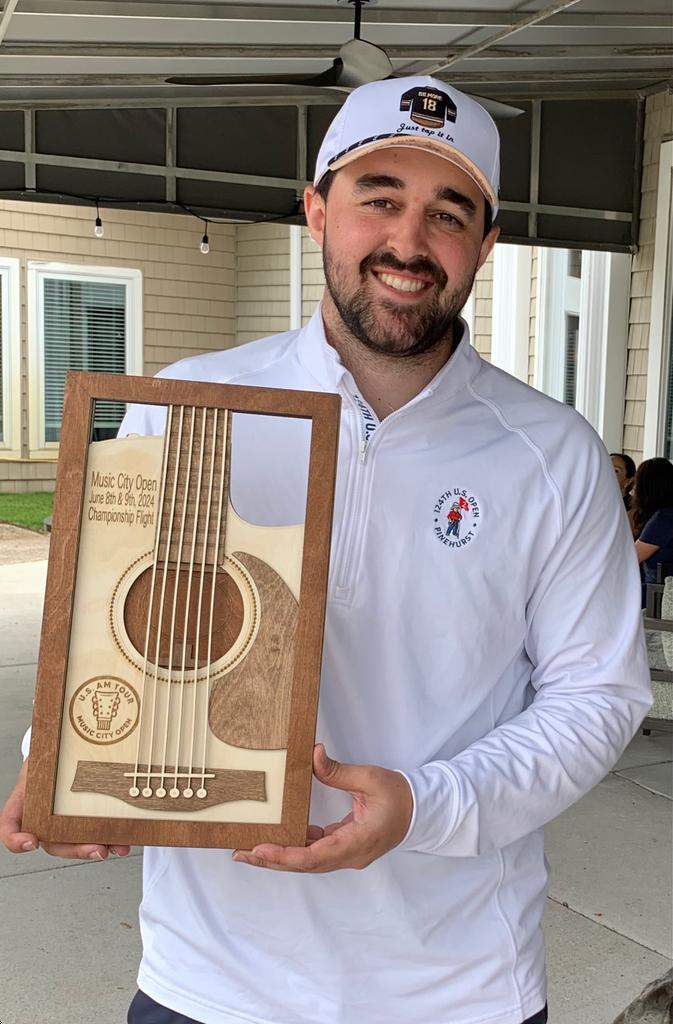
point(181, 645)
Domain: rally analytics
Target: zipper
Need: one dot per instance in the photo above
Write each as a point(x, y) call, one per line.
point(357, 490)
point(352, 502)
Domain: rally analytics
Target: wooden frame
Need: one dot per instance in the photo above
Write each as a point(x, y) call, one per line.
point(53, 708)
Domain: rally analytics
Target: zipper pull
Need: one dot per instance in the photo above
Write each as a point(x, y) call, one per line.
point(364, 445)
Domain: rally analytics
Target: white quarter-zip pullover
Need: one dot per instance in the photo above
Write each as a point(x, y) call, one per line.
point(483, 636)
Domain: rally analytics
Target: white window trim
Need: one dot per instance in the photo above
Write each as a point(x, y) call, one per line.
point(550, 322)
point(37, 272)
point(295, 276)
point(661, 310)
point(10, 282)
point(512, 269)
point(602, 343)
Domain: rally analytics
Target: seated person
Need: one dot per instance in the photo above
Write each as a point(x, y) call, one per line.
point(625, 471)
point(652, 512)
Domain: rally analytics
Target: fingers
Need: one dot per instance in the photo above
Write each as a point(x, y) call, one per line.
point(349, 777)
point(314, 832)
point(11, 834)
point(17, 841)
point(83, 851)
point(325, 854)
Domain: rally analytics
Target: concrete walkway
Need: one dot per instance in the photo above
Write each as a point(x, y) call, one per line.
point(69, 942)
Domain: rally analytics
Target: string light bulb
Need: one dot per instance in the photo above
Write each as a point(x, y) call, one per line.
point(204, 247)
point(98, 230)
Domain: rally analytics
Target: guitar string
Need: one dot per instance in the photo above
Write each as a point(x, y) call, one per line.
point(161, 792)
point(147, 791)
point(225, 453)
point(174, 792)
point(211, 477)
point(134, 791)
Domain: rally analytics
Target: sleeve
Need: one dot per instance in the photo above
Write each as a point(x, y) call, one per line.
point(590, 678)
point(658, 529)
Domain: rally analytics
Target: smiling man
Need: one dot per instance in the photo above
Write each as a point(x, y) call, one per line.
point(483, 661)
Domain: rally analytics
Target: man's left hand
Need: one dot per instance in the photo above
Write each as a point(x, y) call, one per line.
point(378, 821)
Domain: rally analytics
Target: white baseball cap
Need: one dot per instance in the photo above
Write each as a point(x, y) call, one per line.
point(422, 113)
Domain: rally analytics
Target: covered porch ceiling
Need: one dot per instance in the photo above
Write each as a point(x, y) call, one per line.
point(89, 108)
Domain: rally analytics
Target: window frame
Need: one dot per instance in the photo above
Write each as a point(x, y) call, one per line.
point(10, 339)
point(37, 272)
point(660, 355)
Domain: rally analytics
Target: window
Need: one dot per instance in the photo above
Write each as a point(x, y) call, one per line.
point(658, 432)
point(570, 375)
point(668, 430)
point(574, 262)
point(84, 319)
point(10, 361)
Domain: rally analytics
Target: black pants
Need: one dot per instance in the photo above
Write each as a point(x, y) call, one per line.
point(144, 1010)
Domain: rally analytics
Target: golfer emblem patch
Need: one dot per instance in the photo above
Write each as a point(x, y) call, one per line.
point(456, 517)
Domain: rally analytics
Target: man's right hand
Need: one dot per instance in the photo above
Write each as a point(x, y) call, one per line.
point(17, 841)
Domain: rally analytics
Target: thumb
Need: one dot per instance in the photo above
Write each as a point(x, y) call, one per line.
point(349, 777)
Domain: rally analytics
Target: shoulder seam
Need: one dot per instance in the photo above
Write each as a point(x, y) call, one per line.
point(528, 441)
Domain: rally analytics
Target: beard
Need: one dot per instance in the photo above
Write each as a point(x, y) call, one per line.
point(403, 330)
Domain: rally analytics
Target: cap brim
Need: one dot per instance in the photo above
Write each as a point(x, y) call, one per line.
point(442, 149)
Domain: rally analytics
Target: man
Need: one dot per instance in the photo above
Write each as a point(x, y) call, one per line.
point(457, 735)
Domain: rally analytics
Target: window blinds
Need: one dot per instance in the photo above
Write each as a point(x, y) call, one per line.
point(84, 328)
point(570, 376)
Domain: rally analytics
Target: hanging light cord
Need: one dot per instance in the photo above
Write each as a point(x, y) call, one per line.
point(99, 230)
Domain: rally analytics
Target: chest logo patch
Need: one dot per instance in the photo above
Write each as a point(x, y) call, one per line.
point(456, 517)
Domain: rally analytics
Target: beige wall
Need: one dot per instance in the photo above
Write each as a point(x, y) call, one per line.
point(312, 277)
point(658, 125)
point(188, 298)
point(483, 309)
point(262, 280)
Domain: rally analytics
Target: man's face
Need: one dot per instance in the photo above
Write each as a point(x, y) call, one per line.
point(402, 238)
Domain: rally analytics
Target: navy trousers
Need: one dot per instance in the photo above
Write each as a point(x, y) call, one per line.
point(144, 1010)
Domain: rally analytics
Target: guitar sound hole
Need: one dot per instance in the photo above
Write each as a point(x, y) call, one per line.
point(190, 642)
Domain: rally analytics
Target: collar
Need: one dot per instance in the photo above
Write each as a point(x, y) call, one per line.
point(322, 361)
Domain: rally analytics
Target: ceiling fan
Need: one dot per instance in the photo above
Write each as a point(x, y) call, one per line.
point(358, 63)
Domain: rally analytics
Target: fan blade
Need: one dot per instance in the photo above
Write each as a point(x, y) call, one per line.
point(363, 62)
point(498, 111)
point(328, 77)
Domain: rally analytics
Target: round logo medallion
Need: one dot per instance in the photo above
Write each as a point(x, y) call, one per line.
point(104, 710)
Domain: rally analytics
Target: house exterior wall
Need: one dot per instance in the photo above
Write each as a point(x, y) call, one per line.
point(658, 125)
point(188, 298)
point(312, 277)
point(262, 281)
point(483, 309)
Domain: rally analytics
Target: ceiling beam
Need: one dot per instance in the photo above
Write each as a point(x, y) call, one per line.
point(522, 23)
point(333, 15)
point(408, 51)
point(6, 17)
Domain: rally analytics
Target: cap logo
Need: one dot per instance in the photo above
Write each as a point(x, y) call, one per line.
point(428, 107)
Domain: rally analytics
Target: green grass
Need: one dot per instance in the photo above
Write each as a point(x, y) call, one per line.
point(29, 510)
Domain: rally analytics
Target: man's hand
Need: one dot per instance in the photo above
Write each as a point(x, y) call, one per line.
point(17, 841)
point(378, 821)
